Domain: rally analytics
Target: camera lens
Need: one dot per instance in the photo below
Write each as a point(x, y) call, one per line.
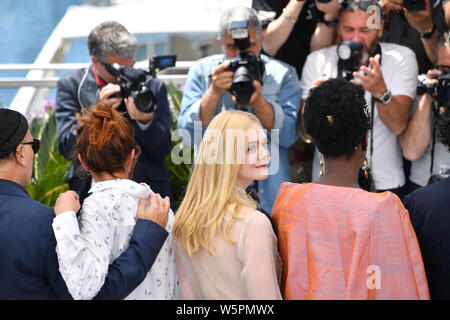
point(344, 52)
point(242, 87)
point(144, 100)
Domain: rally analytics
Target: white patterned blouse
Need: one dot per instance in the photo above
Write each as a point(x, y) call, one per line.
point(86, 247)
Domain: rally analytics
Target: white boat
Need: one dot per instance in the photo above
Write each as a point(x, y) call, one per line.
point(185, 28)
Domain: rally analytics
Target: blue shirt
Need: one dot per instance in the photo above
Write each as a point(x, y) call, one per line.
point(280, 89)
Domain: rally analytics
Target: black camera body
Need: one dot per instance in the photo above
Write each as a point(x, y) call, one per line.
point(246, 66)
point(133, 81)
point(414, 5)
point(350, 55)
point(440, 91)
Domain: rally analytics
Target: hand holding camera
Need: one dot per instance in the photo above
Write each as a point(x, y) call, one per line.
point(431, 79)
point(222, 79)
point(136, 114)
point(256, 98)
point(391, 5)
point(371, 79)
point(330, 8)
point(420, 19)
point(436, 84)
point(109, 94)
point(133, 82)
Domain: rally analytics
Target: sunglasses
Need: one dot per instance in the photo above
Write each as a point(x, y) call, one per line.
point(35, 144)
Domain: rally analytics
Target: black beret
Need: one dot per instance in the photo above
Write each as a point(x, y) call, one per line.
point(13, 128)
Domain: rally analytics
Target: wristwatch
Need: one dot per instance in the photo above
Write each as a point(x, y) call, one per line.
point(428, 34)
point(385, 97)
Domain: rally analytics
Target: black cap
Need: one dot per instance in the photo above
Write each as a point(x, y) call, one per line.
point(13, 128)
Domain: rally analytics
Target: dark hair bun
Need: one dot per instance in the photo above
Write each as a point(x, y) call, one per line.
point(336, 116)
point(105, 138)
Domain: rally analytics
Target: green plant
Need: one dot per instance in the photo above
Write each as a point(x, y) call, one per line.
point(50, 167)
point(179, 173)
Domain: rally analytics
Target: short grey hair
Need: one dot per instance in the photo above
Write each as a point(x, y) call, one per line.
point(238, 14)
point(111, 38)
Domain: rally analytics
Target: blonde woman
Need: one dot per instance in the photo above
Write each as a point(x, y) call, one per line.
point(225, 248)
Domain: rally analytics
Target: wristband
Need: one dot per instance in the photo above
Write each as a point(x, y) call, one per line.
point(428, 34)
point(330, 24)
point(288, 18)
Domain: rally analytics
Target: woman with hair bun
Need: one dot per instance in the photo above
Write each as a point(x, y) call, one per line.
point(107, 150)
point(226, 248)
point(336, 240)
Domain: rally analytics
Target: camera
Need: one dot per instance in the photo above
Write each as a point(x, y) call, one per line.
point(133, 81)
point(414, 5)
point(441, 90)
point(350, 55)
point(443, 174)
point(246, 66)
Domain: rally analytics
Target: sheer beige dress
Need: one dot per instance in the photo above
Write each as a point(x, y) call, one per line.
point(248, 269)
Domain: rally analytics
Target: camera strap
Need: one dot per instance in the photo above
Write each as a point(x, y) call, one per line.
point(372, 108)
point(433, 144)
point(372, 116)
point(436, 114)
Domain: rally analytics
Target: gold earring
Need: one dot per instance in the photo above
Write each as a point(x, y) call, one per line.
point(365, 168)
point(321, 166)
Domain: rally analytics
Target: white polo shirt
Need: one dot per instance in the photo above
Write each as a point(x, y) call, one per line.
point(400, 70)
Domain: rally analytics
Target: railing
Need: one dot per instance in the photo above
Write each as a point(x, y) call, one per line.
point(42, 84)
point(175, 74)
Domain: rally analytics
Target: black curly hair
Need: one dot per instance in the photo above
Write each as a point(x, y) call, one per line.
point(336, 117)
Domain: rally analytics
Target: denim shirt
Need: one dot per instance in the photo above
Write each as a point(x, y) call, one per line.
point(280, 89)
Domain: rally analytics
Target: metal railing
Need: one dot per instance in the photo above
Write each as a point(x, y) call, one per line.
point(175, 74)
point(36, 86)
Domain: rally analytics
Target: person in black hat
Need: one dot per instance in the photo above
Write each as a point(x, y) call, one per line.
point(29, 264)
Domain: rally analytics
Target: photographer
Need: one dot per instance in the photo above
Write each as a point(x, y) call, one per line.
point(419, 141)
point(387, 72)
point(300, 26)
point(429, 206)
point(110, 43)
point(274, 99)
point(415, 24)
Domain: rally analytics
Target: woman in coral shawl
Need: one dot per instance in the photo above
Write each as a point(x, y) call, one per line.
point(336, 240)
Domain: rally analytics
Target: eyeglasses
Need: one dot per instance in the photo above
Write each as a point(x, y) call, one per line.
point(35, 144)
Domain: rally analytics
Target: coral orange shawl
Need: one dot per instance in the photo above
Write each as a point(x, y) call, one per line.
point(346, 243)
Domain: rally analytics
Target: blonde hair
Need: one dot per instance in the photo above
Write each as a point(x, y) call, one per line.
point(212, 191)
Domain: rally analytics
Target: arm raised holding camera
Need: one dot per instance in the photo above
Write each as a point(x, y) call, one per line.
point(325, 32)
point(415, 139)
point(393, 113)
point(221, 81)
point(422, 22)
point(278, 31)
